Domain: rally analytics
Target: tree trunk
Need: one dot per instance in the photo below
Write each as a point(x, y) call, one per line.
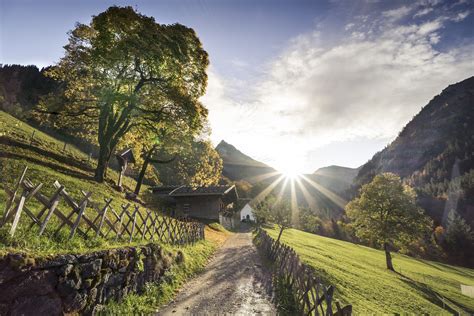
point(146, 161)
point(388, 257)
point(141, 175)
point(102, 164)
point(281, 232)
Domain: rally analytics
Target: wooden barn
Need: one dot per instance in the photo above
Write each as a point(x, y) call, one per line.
point(200, 202)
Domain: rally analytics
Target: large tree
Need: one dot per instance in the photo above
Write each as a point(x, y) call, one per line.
point(386, 214)
point(123, 71)
point(197, 164)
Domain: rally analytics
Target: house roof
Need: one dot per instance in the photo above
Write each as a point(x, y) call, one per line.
point(184, 190)
point(126, 155)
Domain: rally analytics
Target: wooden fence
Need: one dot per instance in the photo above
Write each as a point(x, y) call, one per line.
point(90, 219)
point(309, 292)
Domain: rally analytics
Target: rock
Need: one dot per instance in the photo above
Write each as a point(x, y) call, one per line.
point(68, 286)
point(93, 295)
point(7, 273)
point(88, 257)
point(37, 305)
point(17, 261)
point(115, 280)
point(65, 270)
point(91, 269)
point(75, 302)
point(56, 262)
point(31, 283)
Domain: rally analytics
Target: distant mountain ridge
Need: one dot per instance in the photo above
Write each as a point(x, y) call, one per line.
point(336, 178)
point(435, 153)
point(238, 166)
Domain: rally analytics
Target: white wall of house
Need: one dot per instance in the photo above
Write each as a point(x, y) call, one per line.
point(247, 210)
point(229, 222)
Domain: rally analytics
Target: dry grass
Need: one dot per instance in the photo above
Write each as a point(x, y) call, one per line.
point(217, 237)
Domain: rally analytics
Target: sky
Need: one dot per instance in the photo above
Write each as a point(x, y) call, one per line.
point(296, 84)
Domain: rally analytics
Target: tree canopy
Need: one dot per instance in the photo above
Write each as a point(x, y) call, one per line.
point(274, 210)
point(198, 164)
point(386, 213)
point(124, 71)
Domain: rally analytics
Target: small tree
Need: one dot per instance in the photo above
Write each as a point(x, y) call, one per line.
point(276, 211)
point(385, 213)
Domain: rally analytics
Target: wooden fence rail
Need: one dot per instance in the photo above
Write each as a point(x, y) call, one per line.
point(309, 292)
point(87, 218)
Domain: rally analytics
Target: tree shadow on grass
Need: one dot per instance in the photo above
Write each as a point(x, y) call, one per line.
point(70, 161)
point(433, 296)
point(444, 266)
point(53, 166)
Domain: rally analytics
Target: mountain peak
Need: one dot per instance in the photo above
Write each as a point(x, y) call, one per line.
point(238, 165)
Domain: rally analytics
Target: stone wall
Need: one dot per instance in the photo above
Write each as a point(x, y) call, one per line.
point(77, 283)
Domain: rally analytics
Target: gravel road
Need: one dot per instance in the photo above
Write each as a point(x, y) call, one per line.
point(232, 283)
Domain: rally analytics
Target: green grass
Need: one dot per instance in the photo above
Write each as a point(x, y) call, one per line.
point(48, 162)
point(157, 294)
point(361, 278)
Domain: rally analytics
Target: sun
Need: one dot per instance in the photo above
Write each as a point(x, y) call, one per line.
point(290, 172)
point(289, 165)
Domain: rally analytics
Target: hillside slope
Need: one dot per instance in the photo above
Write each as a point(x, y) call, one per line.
point(435, 153)
point(238, 166)
point(336, 178)
point(361, 278)
point(47, 161)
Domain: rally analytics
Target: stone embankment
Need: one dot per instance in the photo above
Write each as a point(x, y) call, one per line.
point(80, 283)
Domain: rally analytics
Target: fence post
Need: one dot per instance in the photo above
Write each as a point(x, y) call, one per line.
point(11, 200)
point(101, 223)
point(134, 223)
point(78, 219)
point(19, 209)
point(54, 204)
point(32, 137)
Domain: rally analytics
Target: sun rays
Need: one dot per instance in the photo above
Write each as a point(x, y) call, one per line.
point(297, 184)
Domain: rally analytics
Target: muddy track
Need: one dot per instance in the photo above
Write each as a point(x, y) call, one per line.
point(232, 283)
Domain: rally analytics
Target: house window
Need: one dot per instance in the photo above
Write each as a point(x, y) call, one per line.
point(186, 208)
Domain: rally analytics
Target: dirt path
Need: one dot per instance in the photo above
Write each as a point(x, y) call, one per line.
point(232, 283)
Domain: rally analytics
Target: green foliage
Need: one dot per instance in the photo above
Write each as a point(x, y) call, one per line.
point(21, 87)
point(361, 278)
point(125, 71)
point(197, 165)
point(459, 238)
point(386, 212)
point(285, 297)
point(273, 210)
point(309, 222)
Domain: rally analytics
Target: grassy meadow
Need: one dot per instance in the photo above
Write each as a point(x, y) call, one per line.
point(47, 162)
point(361, 278)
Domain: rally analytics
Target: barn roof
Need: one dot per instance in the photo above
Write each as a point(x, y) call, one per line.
point(183, 190)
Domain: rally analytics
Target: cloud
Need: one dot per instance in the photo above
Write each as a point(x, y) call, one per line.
point(366, 86)
point(423, 12)
point(398, 13)
point(461, 16)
